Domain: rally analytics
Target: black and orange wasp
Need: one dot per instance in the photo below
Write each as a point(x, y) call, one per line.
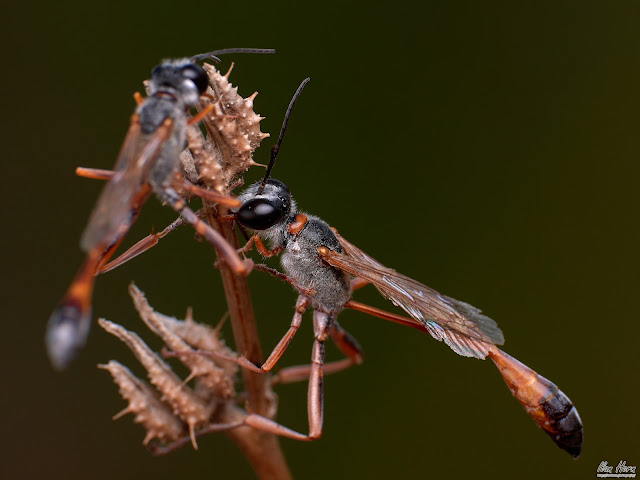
point(326, 269)
point(148, 162)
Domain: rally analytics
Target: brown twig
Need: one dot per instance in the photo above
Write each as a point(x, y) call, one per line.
point(214, 164)
point(261, 449)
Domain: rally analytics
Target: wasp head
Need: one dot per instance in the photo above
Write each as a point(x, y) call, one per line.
point(181, 78)
point(265, 206)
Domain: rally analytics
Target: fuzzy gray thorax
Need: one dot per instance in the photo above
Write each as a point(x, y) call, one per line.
point(300, 259)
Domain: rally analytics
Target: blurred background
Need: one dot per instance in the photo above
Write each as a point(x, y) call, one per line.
point(490, 151)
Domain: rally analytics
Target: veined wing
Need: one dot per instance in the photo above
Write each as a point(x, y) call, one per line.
point(461, 326)
point(114, 205)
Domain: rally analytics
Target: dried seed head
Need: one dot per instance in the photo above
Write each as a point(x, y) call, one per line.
point(186, 404)
point(215, 378)
point(233, 132)
point(148, 410)
point(186, 158)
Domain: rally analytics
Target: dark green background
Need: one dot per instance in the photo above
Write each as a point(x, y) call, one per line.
point(488, 149)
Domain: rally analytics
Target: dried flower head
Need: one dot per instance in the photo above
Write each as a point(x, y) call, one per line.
point(179, 407)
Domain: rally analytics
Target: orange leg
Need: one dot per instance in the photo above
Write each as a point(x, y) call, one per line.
point(392, 317)
point(347, 345)
point(183, 183)
point(170, 447)
point(357, 283)
point(224, 249)
point(284, 278)
point(262, 249)
point(95, 173)
point(210, 195)
point(315, 394)
point(322, 324)
point(152, 240)
point(301, 306)
point(201, 114)
point(143, 245)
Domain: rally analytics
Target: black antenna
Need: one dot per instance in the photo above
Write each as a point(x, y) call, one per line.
point(276, 148)
point(212, 55)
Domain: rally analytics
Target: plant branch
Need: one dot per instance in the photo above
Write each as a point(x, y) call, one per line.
point(261, 449)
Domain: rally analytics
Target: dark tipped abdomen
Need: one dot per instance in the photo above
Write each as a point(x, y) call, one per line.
point(562, 422)
point(69, 323)
point(67, 332)
point(544, 402)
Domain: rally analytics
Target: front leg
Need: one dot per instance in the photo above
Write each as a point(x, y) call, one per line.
point(301, 306)
point(262, 249)
point(308, 292)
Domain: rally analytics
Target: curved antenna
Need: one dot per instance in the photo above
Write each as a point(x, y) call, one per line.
point(276, 148)
point(213, 54)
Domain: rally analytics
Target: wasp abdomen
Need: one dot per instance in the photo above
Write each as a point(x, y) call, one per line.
point(551, 409)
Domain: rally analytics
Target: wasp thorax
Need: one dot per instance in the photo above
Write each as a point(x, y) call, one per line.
point(261, 211)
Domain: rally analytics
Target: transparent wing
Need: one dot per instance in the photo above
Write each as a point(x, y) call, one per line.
point(461, 326)
point(114, 206)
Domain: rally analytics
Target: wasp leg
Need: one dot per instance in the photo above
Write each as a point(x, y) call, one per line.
point(224, 249)
point(284, 278)
point(210, 195)
point(301, 306)
point(357, 283)
point(266, 425)
point(262, 249)
point(143, 245)
point(279, 349)
point(95, 173)
point(392, 317)
point(344, 341)
point(322, 323)
point(323, 328)
point(182, 183)
point(201, 114)
point(170, 447)
point(151, 240)
point(315, 394)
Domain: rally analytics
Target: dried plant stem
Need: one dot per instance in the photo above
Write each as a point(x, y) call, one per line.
point(261, 449)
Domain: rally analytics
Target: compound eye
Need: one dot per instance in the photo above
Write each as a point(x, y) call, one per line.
point(259, 214)
point(197, 75)
point(156, 70)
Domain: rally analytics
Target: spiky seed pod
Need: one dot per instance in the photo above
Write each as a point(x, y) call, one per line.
point(233, 130)
point(214, 378)
point(202, 337)
point(204, 160)
point(186, 404)
point(148, 410)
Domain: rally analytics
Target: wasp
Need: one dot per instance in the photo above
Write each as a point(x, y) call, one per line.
point(326, 269)
point(148, 162)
